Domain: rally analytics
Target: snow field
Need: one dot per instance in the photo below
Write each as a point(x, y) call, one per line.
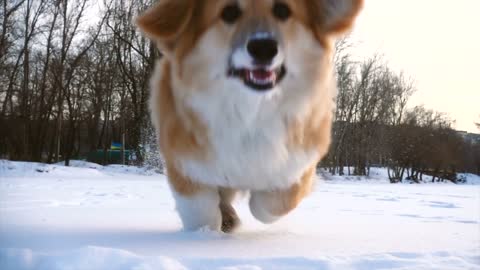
point(115, 217)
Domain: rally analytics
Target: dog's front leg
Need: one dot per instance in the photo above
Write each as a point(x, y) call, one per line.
point(197, 205)
point(200, 209)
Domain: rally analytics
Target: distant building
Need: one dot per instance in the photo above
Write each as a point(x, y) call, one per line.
point(469, 137)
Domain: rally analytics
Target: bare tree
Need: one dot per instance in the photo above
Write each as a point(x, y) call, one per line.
point(69, 87)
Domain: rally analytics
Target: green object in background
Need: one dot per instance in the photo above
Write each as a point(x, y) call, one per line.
point(116, 146)
point(109, 156)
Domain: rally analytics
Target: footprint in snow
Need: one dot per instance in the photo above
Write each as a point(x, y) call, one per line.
point(388, 199)
point(467, 221)
point(437, 204)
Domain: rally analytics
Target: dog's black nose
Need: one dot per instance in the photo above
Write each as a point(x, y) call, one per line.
point(263, 50)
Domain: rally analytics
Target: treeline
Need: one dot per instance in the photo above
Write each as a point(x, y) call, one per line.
point(374, 127)
point(72, 82)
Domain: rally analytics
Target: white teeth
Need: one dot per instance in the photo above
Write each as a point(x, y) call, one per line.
point(269, 80)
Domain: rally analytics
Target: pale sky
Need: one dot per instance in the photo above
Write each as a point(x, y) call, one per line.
point(436, 42)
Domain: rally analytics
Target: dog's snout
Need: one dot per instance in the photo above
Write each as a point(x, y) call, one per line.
point(263, 50)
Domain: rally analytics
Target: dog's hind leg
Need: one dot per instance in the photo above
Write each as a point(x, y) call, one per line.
point(230, 220)
point(269, 206)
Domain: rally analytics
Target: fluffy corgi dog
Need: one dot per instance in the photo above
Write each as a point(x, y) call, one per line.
point(242, 101)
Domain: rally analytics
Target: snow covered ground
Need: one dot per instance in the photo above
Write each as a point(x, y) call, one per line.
point(92, 217)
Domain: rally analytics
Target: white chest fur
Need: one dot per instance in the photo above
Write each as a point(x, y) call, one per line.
point(248, 139)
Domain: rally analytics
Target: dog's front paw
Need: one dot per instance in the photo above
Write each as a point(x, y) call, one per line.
point(199, 210)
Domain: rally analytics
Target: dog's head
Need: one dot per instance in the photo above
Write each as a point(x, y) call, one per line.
point(252, 44)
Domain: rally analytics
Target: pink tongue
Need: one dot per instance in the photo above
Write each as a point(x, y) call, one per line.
point(261, 74)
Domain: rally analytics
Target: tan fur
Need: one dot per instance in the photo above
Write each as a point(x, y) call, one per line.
point(311, 133)
point(181, 183)
point(325, 24)
point(176, 26)
point(178, 134)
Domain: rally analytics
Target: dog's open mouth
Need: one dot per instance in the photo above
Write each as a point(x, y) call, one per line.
point(259, 79)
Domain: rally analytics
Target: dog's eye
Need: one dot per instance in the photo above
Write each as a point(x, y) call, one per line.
point(281, 11)
point(231, 13)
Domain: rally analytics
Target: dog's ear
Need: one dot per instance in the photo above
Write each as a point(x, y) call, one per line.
point(334, 16)
point(166, 21)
